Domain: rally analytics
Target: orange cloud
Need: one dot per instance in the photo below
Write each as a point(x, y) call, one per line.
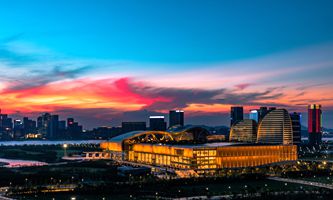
point(82, 93)
point(123, 95)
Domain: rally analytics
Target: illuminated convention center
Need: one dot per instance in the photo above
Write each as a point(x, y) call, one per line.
point(189, 147)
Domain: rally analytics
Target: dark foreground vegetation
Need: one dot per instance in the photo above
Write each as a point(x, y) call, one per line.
point(99, 179)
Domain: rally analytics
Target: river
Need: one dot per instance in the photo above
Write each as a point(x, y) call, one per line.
point(20, 163)
point(26, 163)
point(48, 142)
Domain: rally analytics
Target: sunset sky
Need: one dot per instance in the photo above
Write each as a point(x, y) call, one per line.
point(108, 61)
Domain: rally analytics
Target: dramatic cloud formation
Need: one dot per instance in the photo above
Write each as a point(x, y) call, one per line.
point(101, 92)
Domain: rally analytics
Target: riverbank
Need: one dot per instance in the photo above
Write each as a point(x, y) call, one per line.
point(48, 154)
point(48, 142)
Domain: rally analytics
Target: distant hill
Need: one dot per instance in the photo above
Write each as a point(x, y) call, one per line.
point(220, 130)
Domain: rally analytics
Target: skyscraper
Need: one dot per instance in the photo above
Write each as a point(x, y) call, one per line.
point(18, 129)
point(73, 129)
point(62, 129)
point(6, 126)
point(62, 125)
point(29, 125)
point(53, 127)
point(236, 115)
point(70, 122)
point(176, 117)
point(314, 124)
point(157, 123)
point(262, 112)
point(276, 128)
point(296, 125)
point(43, 124)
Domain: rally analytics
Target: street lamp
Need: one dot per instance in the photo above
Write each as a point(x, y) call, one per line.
point(65, 148)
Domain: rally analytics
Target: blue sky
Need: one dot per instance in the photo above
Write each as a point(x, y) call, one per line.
point(168, 31)
point(218, 53)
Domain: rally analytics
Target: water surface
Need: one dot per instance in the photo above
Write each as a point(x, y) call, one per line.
point(48, 142)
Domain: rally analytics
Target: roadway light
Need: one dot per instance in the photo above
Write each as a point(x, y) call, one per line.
point(65, 146)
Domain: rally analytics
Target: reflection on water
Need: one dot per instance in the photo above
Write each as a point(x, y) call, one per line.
point(20, 163)
point(48, 142)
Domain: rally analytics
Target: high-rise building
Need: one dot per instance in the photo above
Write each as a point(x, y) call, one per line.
point(70, 122)
point(296, 125)
point(176, 118)
point(236, 115)
point(133, 126)
point(262, 112)
point(275, 128)
point(39, 122)
point(314, 124)
point(18, 130)
point(254, 115)
point(244, 131)
point(62, 130)
point(6, 126)
point(62, 125)
point(29, 125)
point(74, 131)
point(53, 127)
point(157, 123)
point(43, 124)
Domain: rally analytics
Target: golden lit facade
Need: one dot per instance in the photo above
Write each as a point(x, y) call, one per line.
point(276, 128)
point(138, 147)
point(244, 131)
point(210, 157)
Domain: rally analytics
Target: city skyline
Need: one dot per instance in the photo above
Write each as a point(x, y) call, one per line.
point(146, 118)
point(112, 62)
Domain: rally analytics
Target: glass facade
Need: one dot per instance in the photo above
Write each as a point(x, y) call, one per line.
point(244, 131)
point(202, 159)
point(173, 150)
point(276, 128)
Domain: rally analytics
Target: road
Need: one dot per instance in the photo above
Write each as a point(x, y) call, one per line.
point(3, 191)
point(303, 182)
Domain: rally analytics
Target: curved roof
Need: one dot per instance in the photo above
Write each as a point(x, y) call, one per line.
point(178, 129)
point(125, 136)
point(172, 132)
